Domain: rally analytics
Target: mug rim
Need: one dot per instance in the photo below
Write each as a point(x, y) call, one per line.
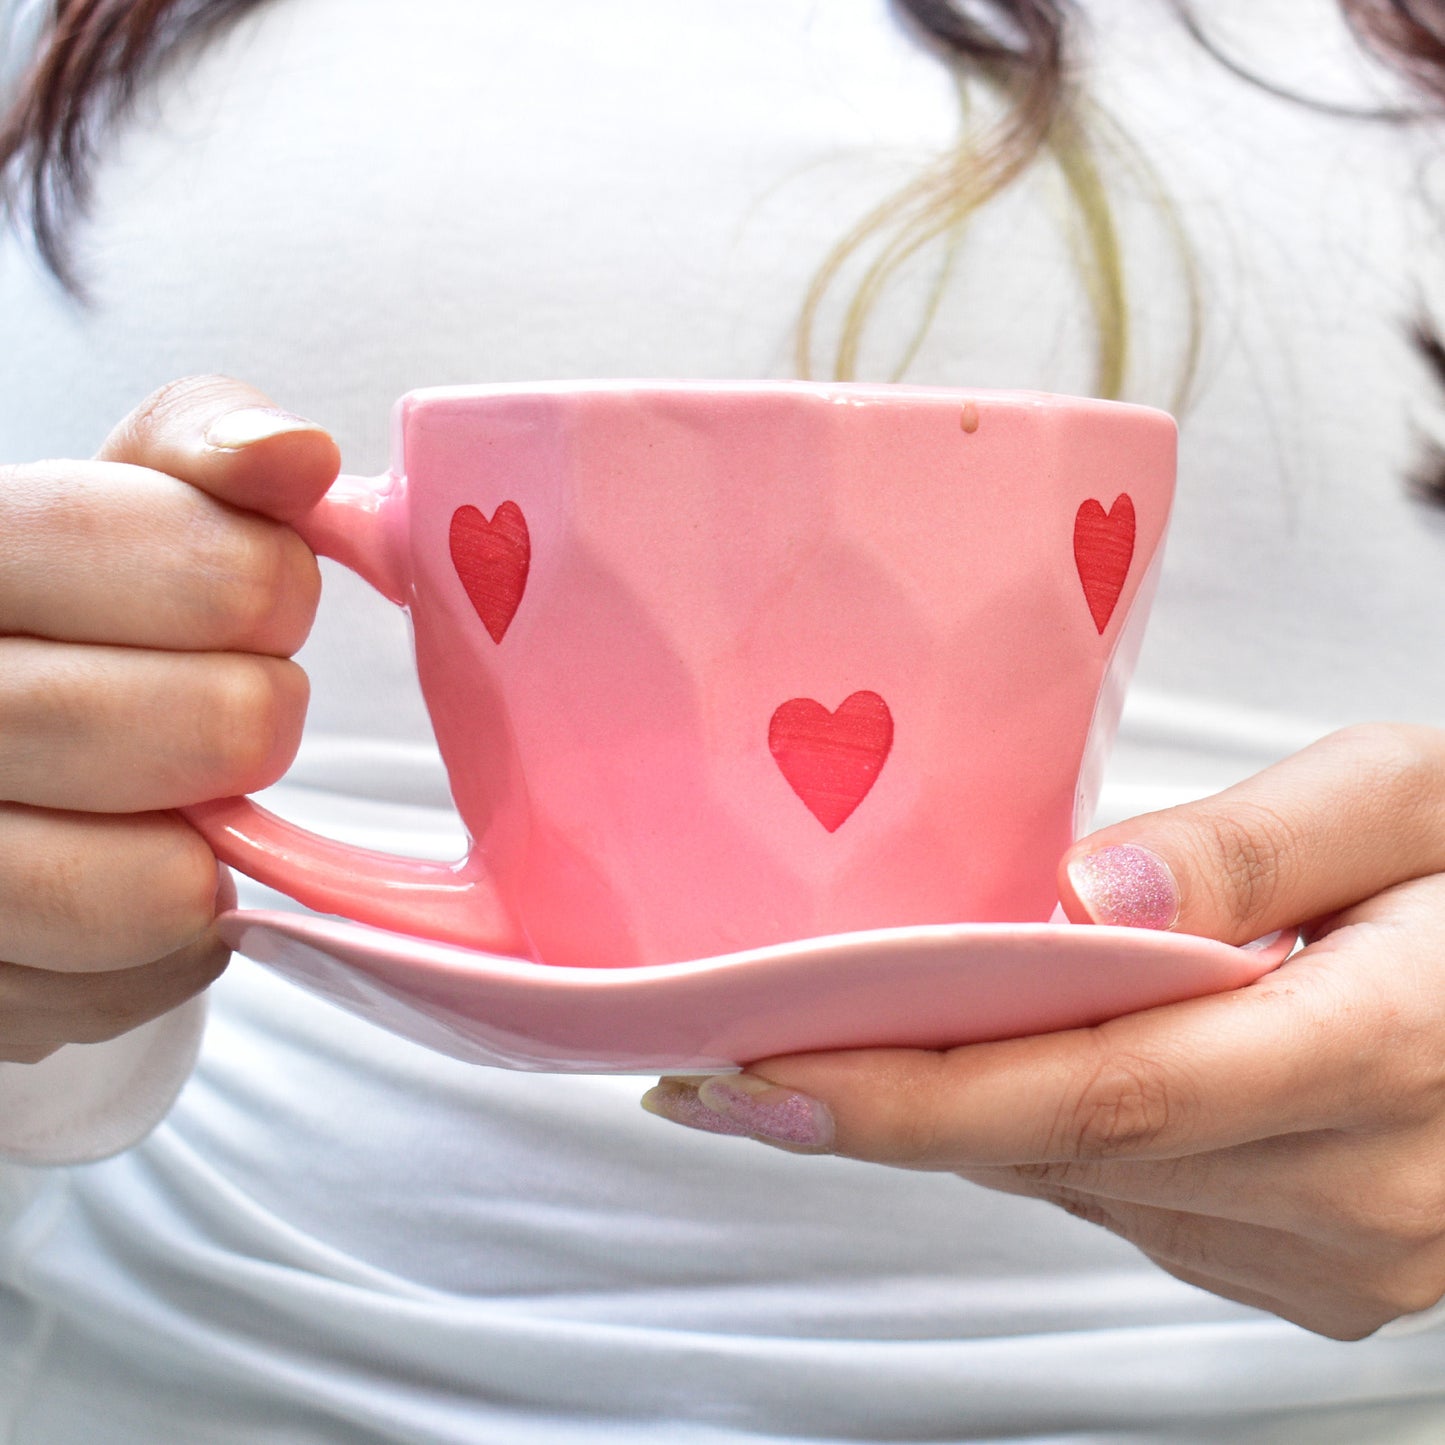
point(1022, 398)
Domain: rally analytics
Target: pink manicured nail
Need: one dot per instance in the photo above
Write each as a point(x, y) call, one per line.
point(225, 888)
point(767, 1111)
point(677, 1101)
point(1126, 885)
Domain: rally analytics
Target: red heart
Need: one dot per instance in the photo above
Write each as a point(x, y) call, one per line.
point(831, 759)
point(1103, 550)
point(492, 559)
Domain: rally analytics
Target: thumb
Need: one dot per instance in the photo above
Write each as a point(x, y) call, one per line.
point(228, 439)
point(1351, 815)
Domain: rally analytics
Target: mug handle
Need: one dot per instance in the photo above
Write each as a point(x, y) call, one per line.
point(360, 523)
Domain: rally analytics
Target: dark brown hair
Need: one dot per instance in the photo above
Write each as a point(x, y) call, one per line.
point(94, 56)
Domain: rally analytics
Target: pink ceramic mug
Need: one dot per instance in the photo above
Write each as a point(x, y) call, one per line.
point(718, 665)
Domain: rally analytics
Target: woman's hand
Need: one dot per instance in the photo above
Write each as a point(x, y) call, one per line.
point(1282, 1145)
point(149, 601)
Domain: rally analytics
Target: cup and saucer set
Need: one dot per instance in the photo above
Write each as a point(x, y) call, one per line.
point(770, 708)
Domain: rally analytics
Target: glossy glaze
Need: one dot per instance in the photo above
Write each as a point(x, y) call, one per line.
point(719, 666)
point(914, 987)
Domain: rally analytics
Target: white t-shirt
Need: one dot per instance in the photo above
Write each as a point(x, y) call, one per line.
point(336, 1236)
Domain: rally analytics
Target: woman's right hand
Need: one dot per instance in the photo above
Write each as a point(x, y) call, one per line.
point(150, 601)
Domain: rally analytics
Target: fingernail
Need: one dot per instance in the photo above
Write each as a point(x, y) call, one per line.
point(226, 897)
point(767, 1111)
point(1127, 886)
point(677, 1101)
point(238, 429)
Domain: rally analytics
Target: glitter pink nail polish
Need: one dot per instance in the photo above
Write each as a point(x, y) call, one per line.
point(677, 1101)
point(768, 1112)
point(1126, 885)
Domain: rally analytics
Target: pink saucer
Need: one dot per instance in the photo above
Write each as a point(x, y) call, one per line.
point(924, 987)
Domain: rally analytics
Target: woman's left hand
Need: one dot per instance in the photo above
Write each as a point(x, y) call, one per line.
point(1282, 1145)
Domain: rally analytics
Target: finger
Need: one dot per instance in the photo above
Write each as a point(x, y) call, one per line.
point(1292, 1053)
point(109, 552)
point(1322, 1289)
point(117, 730)
point(1222, 1259)
point(1248, 1184)
point(1223, 1289)
point(1342, 1036)
point(1306, 1185)
point(93, 892)
point(1346, 818)
point(228, 439)
point(42, 1010)
point(1310, 1308)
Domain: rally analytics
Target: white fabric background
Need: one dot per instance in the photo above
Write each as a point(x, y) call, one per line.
point(342, 200)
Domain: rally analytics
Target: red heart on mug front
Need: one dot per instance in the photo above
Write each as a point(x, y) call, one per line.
point(1103, 550)
point(491, 558)
point(831, 759)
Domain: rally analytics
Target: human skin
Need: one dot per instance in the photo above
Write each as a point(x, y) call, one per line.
point(150, 599)
point(1282, 1145)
